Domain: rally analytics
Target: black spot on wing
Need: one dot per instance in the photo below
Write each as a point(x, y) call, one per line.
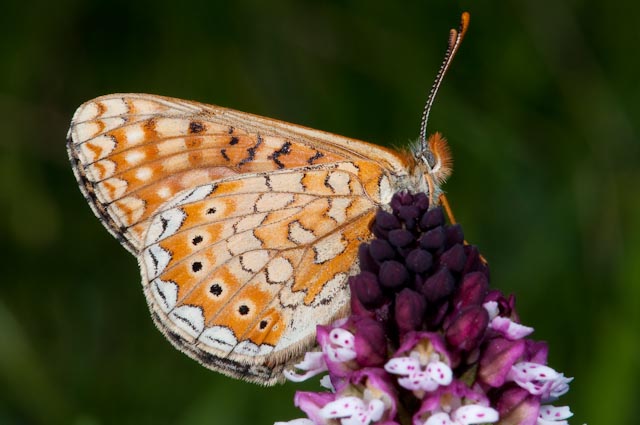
point(195, 127)
point(315, 157)
point(251, 152)
point(285, 149)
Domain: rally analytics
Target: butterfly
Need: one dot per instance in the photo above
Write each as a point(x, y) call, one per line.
point(245, 228)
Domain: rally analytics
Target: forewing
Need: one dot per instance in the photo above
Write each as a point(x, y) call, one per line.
point(239, 272)
point(131, 153)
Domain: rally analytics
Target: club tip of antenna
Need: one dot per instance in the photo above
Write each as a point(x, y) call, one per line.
point(464, 22)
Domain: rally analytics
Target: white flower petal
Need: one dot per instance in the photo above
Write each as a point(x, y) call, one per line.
point(402, 365)
point(552, 413)
point(509, 328)
point(313, 363)
point(440, 372)
point(342, 407)
point(342, 338)
point(375, 409)
point(300, 421)
point(475, 414)
point(492, 309)
point(439, 419)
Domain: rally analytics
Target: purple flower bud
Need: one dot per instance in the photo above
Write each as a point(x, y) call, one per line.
point(473, 262)
point(516, 406)
point(400, 237)
point(421, 200)
point(370, 342)
point(399, 199)
point(468, 328)
point(393, 274)
point(454, 258)
point(432, 218)
point(386, 220)
point(498, 358)
point(472, 291)
point(409, 311)
point(410, 215)
point(454, 235)
point(366, 260)
point(366, 288)
point(433, 239)
point(536, 351)
point(381, 251)
point(441, 284)
point(418, 261)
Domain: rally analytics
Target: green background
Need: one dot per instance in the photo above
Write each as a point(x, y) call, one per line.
point(541, 110)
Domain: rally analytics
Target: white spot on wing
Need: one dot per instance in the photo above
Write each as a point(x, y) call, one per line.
point(167, 127)
point(96, 149)
point(165, 224)
point(254, 261)
point(166, 293)
point(386, 190)
point(156, 259)
point(299, 235)
point(279, 270)
point(135, 134)
point(164, 192)
point(134, 157)
point(114, 107)
point(289, 182)
point(144, 173)
point(247, 348)
point(265, 349)
point(338, 209)
point(329, 247)
point(219, 337)
point(197, 194)
point(86, 130)
point(113, 188)
point(348, 166)
point(128, 209)
point(189, 319)
point(339, 182)
point(101, 170)
point(86, 112)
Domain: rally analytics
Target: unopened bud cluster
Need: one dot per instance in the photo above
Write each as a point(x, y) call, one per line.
point(428, 342)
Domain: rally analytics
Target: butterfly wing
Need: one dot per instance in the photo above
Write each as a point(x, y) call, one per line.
point(245, 228)
point(239, 272)
point(131, 153)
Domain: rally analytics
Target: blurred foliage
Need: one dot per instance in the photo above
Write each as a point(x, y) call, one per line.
point(540, 107)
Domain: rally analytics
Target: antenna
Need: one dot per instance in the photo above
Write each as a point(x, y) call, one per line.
point(455, 38)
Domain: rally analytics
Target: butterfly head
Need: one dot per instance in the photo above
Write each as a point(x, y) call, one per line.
point(437, 158)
